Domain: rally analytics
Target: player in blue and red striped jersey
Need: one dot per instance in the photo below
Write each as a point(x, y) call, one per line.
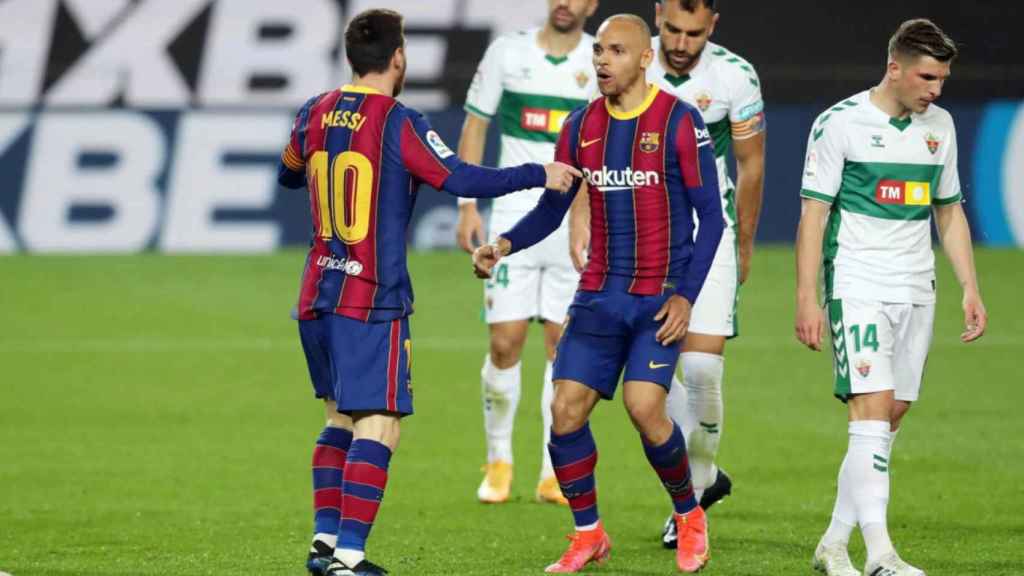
point(363, 155)
point(648, 161)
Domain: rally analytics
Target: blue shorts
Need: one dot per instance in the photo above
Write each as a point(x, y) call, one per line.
point(607, 332)
point(363, 366)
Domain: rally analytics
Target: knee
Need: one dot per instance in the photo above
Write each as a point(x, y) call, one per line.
point(506, 349)
point(702, 373)
point(650, 420)
point(567, 415)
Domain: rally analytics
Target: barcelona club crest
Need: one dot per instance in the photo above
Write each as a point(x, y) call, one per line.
point(649, 141)
point(933, 142)
point(582, 78)
point(703, 101)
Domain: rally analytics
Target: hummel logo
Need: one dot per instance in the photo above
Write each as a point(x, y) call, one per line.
point(654, 366)
point(586, 143)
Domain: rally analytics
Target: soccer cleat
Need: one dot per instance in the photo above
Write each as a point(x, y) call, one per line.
point(319, 557)
point(693, 549)
point(891, 565)
point(720, 488)
point(364, 568)
point(549, 491)
point(584, 548)
point(833, 560)
point(497, 482)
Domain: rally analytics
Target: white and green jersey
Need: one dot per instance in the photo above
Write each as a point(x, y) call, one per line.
point(882, 176)
point(532, 93)
point(726, 90)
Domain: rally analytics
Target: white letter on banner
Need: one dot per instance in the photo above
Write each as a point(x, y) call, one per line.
point(24, 41)
point(236, 53)
point(133, 60)
point(56, 182)
point(202, 183)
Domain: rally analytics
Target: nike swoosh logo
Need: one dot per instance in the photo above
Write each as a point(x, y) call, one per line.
point(654, 366)
point(586, 143)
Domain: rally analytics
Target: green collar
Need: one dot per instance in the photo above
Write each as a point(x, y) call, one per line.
point(676, 81)
point(900, 124)
point(556, 60)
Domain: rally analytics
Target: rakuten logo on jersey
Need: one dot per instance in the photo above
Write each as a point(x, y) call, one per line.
point(607, 180)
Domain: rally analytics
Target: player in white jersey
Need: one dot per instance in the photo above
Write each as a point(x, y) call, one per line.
point(726, 90)
point(530, 81)
point(879, 164)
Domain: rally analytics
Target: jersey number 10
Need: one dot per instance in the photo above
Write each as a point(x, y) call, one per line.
point(349, 218)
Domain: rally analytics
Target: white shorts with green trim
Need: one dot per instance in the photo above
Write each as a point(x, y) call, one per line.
point(714, 313)
point(538, 282)
point(878, 346)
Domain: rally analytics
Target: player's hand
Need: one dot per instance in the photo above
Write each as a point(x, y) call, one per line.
point(746, 255)
point(579, 243)
point(676, 315)
point(486, 256)
point(560, 176)
point(975, 317)
point(469, 228)
point(810, 322)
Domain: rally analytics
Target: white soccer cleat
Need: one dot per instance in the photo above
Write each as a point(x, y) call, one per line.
point(833, 560)
point(891, 565)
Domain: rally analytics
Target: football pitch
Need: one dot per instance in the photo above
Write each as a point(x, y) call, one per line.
point(156, 418)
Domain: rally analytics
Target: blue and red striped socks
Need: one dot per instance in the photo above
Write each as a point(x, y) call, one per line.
point(366, 475)
point(673, 467)
point(328, 466)
point(574, 456)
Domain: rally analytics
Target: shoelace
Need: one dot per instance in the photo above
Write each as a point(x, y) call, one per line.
point(576, 549)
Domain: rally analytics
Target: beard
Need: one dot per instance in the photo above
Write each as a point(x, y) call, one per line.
point(563, 25)
point(672, 58)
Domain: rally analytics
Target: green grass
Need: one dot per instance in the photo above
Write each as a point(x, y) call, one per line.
point(156, 418)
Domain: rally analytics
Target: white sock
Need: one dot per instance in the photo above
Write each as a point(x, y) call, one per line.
point(329, 539)
point(844, 513)
point(501, 397)
point(867, 472)
point(547, 396)
point(349, 558)
point(702, 378)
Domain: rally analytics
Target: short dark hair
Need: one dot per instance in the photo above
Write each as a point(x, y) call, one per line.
point(921, 37)
point(691, 5)
point(371, 39)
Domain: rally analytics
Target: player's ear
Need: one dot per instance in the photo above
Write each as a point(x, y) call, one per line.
point(659, 15)
point(893, 69)
point(714, 22)
point(398, 60)
point(592, 8)
point(646, 57)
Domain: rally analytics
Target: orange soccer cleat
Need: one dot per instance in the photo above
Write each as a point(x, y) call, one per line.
point(497, 482)
point(693, 549)
point(584, 548)
point(549, 491)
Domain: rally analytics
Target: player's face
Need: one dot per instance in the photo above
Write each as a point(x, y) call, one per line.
point(569, 15)
point(621, 53)
point(918, 81)
point(683, 34)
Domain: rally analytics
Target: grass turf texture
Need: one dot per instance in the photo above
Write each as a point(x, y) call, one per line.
point(156, 418)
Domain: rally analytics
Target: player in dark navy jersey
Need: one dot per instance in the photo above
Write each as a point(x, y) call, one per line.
point(363, 155)
point(649, 164)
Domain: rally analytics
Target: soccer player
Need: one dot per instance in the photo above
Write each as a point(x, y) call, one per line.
point(530, 80)
point(647, 158)
point(362, 155)
point(878, 165)
point(726, 90)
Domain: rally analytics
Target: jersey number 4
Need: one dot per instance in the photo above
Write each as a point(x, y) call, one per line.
point(347, 215)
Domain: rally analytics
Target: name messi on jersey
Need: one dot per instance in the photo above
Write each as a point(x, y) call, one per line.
point(339, 119)
point(621, 179)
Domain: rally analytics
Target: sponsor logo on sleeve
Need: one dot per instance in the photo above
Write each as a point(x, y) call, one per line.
point(440, 148)
point(703, 136)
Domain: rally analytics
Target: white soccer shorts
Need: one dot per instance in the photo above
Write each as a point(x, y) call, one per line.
point(538, 282)
point(878, 346)
point(714, 313)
